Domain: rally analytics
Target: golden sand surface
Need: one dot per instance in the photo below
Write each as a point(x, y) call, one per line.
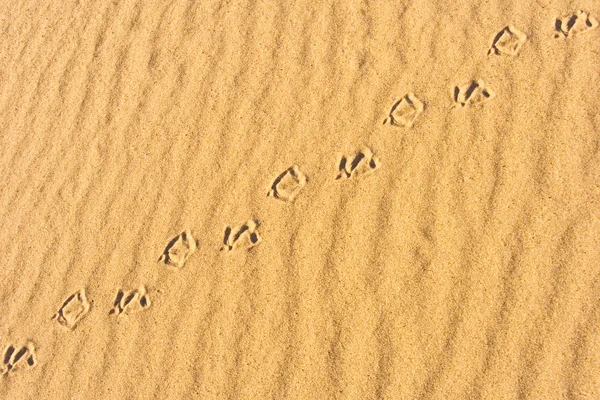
point(262, 199)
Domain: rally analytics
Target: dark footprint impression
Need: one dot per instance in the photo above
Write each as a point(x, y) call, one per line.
point(574, 24)
point(472, 93)
point(244, 236)
point(18, 358)
point(363, 162)
point(130, 301)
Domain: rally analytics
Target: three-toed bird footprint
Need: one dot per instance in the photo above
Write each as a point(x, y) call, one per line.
point(130, 301)
point(472, 93)
point(243, 236)
point(18, 357)
point(574, 24)
point(361, 163)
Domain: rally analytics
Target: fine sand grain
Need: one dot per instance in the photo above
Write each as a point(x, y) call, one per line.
point(299, 199)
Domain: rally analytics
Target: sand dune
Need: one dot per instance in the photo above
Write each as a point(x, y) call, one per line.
point(300, 200)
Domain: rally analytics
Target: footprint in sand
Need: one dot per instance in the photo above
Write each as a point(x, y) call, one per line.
point(288, 184)
point(179, 249)
point(18, 358)
point(361, 163)
point(130, 301)
point(244, 236)
point(508, 42)
point(472, 93)
point(405, 111)
point(574, 24)
point(74, 308)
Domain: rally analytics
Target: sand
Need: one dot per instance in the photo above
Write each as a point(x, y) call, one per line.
point(300, 200)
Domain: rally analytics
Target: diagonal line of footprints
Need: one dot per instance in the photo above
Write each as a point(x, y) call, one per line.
point(287, 186)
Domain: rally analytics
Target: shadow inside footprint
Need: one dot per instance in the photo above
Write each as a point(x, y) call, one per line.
point(130, 301)
point(15, 359)
point(244, 236)
point(361, 163)
point(472, 93)
point(575, 24)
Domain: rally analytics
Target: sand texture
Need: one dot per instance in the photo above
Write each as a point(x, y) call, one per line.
point(299, 200)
